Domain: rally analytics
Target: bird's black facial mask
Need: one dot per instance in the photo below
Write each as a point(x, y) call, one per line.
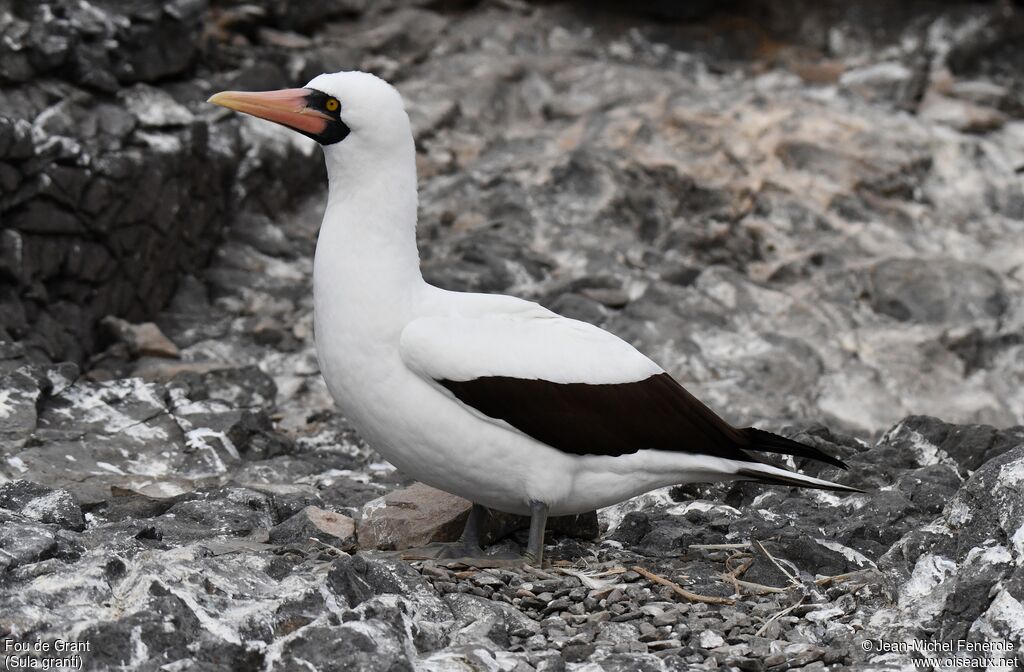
point(308, 111)
point(336, 129)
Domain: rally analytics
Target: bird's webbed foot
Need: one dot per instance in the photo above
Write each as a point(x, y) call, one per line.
point(534, 555)
point(502, 560)
point(468, 545)
point(467, 551)
point(443, 550)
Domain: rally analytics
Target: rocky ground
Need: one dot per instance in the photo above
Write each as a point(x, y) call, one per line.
point(818, 228)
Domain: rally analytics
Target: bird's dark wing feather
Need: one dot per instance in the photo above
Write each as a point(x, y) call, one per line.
point(616, 419)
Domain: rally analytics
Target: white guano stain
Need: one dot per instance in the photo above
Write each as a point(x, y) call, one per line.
point(1018, 544)
point(17, 463)
point(6, 407)
point(90, 404)
point(612, 516)
point(38, 507)
point(1003, 620)
point(106, 466)
point(921, 594)
point(996, 554)
point(850, 554)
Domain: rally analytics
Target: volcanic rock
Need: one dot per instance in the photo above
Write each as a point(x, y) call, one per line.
point(42, 504)
point(23, 541)
point(312, 522)
point(957, 576)
point(144, 339)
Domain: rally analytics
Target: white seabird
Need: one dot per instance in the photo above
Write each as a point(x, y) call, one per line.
point(490, 397)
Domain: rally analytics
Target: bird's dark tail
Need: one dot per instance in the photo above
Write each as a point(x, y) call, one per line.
point(765, 473)
point(766, 442)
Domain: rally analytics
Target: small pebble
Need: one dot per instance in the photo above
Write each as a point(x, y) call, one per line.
point(533, 603)
point(663, 644)
point(710, 640)
point(536, 642)
point(577, 653)
point(557, 605)
point(628, 616)
point(647, 631)
point(434, 570)
point(484, 579)
point(666, 618)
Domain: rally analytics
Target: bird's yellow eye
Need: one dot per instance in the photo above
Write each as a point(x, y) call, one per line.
point(333, 104)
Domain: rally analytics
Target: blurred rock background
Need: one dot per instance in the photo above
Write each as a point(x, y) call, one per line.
point(811, 213)
point(816, 218)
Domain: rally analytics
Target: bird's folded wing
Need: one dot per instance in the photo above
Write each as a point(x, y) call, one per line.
point(568, 384)
point(537, 345)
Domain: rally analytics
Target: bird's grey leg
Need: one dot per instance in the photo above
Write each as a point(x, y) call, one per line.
point(534, 548)
point(467, 551)
point(468, 545)
point(470, 536)
point(538, 523)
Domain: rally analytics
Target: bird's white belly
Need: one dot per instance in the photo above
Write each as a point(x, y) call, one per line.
point(431, 436)
point(435, 439)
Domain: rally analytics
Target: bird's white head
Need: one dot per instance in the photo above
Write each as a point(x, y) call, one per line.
point(357, 117)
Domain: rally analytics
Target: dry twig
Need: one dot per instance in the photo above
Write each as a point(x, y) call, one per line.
point(757, 588)
point(328, 546)
point(536, 571)
point(588, 580)
point(720, 547)
point(679, 590)
point(611, 572)
point(839, 578)
point(739, 571)
point(779, 615)
point(792, 579)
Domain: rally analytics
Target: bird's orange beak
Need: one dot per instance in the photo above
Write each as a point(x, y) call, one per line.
point(288, 107)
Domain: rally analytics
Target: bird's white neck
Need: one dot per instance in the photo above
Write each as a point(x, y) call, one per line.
point(367, 267)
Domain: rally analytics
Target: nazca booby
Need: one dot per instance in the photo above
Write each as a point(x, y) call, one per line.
point(490, 397)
